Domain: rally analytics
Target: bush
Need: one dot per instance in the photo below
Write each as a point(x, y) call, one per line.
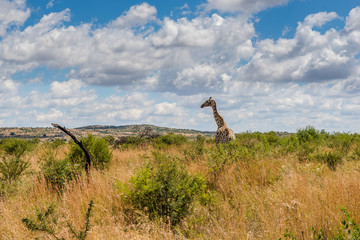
point(249, 139)
point(332, 159)
point(58, 172)
point(199, 144)
point(57, 143)
point(342, 141)
point(11, 168)
point(47, 222)
point(196, 149)
point(290, 144)
point(17, 147)
point(308, 134)
point(164, 189)
point(171, 139)
point(272, 138)
point(129, 141)
point(98, 149)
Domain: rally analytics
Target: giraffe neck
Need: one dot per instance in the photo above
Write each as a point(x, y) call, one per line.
point(218, 119)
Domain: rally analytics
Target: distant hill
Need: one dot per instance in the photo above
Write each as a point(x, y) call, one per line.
point(139, 127)
point(49, 133)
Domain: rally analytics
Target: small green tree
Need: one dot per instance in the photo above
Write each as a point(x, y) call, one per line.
point(47, 222)
point(171, 139)
point(98, 149)
point(17, 147)
point(164, 189)
point(308, 134)
point(12, 168)
point(57, 172)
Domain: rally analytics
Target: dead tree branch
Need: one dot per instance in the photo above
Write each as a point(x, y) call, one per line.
point(87, 155)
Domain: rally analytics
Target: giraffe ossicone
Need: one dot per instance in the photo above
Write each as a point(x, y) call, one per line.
point(223, 133)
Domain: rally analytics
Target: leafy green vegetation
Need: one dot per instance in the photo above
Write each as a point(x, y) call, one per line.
point(170, 139)
point(17, 147)
point(47, 222)
point(98, 149)
point(164, 189)
point(12, 168)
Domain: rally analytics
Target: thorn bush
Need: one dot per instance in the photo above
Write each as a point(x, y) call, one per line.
point(164, 189)
point(98, 149)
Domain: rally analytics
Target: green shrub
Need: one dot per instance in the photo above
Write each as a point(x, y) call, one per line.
point(12, 168)
point(98, 149)
point(332, 159)
point(272, 138)
point(249, 139)
point(58, 172)
point(57, 143)
point(288, 235)
point(199, 144)
point(342, 142)
point(131, 141)
point(356, 154)
point(308, 134)
point(171, 139)
point(164, 189)
point(17, 147)
point(289, 144)
point(350, 229)
point(196, 149)
point(110, 139)
point(47, 222)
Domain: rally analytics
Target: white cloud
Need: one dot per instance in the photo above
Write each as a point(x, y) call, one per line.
point(246, 6)
point(198, 76)
point(8, 86)
point(123, 56)
point(137, 15)
point(167, 109)
point(65, 89)
point(51, 117)
point(12, 13)
point(353, 20)
point(50, 4)
point(319, 19)
point(310, 56)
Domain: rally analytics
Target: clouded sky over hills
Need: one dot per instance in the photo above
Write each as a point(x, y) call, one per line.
point(269, 64)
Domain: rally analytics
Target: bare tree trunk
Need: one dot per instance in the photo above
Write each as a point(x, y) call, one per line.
point(87, 155)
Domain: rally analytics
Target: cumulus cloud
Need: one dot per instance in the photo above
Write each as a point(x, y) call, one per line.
point(9, 98)
point(12, 13)
point(310, 56)
point(123, 56)
point(137, 15)
point(319, 19)
point(52, 116)
point(246, 6)
point(50, 4)
point(353, 20)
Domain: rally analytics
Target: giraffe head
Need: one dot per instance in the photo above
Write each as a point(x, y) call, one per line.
point(207, 103)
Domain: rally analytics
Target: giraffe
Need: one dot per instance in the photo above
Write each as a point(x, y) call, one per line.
point(223, 134)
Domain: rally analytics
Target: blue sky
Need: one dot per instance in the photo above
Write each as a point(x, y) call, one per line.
point(269, 64)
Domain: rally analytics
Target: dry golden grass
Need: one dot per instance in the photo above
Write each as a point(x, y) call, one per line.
point(258, 199)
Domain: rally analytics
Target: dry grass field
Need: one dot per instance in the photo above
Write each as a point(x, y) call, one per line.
point(261, 187)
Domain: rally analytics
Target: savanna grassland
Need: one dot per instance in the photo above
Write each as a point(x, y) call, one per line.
point(298, 186)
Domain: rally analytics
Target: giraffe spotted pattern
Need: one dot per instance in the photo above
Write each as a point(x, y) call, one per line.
point(223, 134)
